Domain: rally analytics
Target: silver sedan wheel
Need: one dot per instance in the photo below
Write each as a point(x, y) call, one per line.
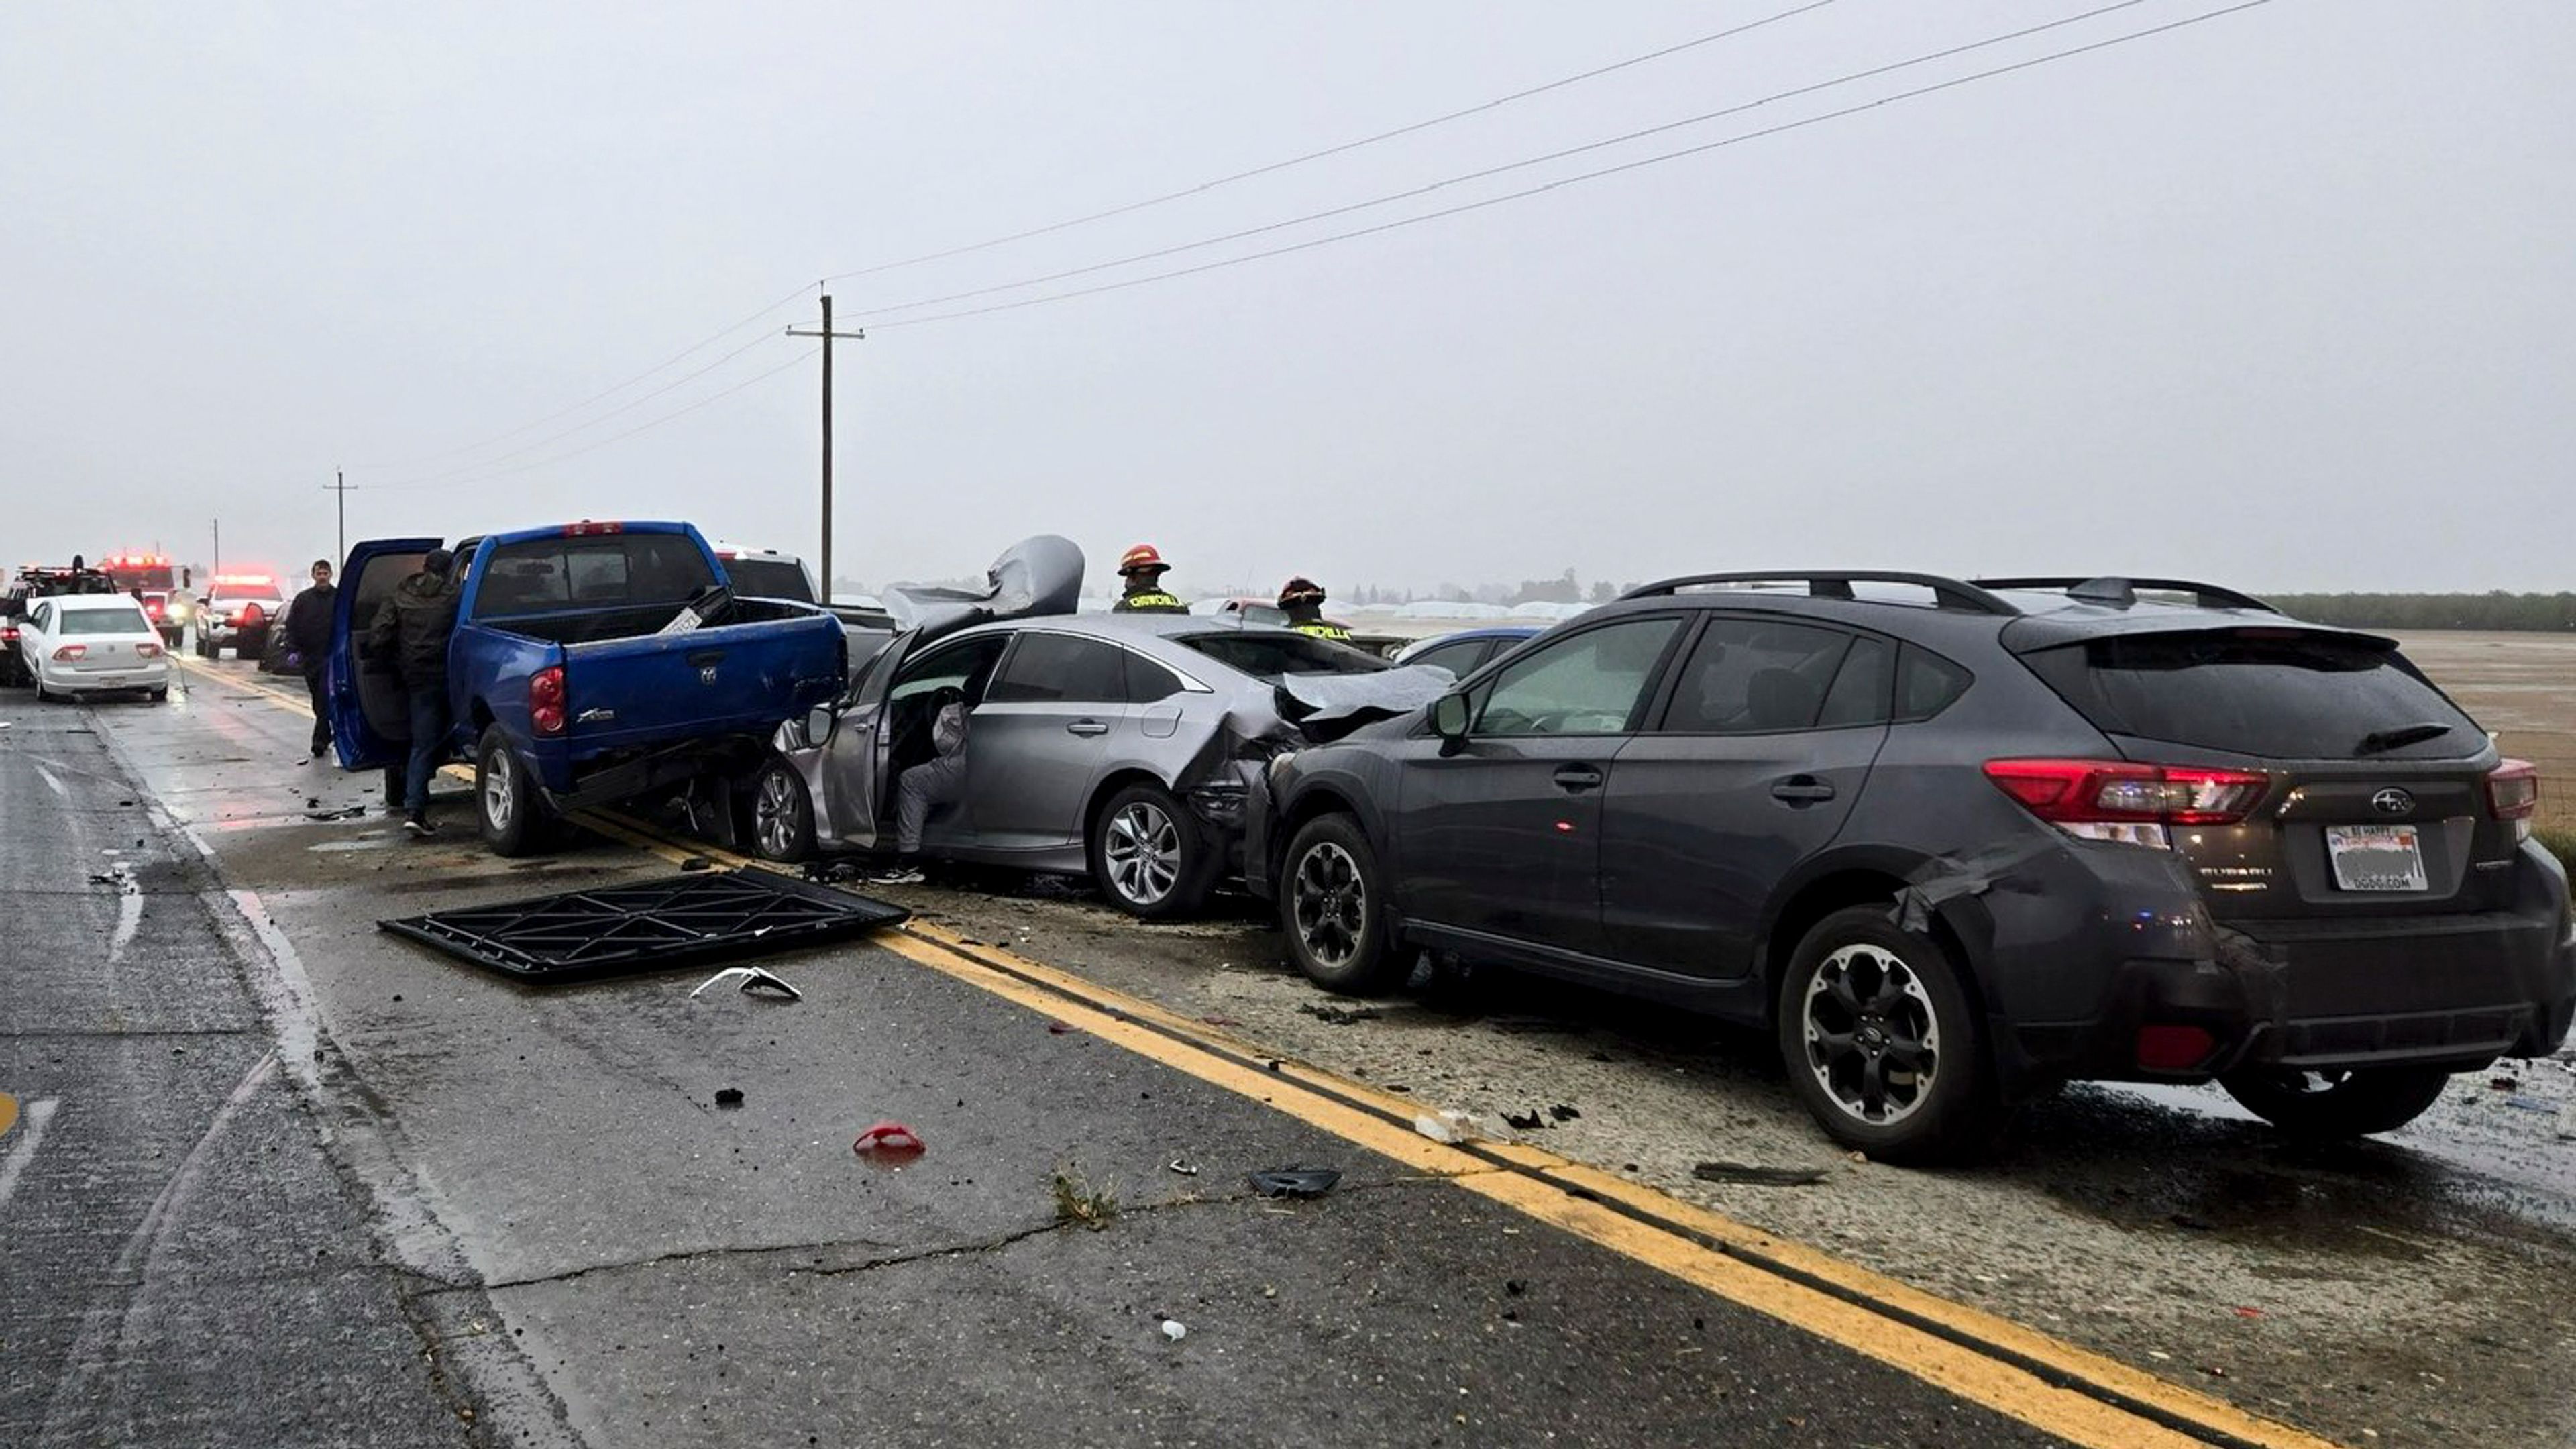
point(1142, 848)
point(773, 813)
point(499, 800)
point(1873, 1039)
point(1329, 902)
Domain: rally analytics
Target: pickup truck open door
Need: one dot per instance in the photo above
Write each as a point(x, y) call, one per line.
point(370, 718)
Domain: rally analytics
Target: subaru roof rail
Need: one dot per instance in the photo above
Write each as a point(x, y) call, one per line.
point(2118, 592)
point(1837, 584)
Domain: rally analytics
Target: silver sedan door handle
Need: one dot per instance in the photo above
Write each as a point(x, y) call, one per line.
point(1086, 728)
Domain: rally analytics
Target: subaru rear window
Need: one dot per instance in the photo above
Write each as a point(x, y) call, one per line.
point(2281, 694)
point(1271, 656)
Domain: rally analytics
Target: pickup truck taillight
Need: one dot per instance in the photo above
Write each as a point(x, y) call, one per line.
point(70, 652)
point(546, 700)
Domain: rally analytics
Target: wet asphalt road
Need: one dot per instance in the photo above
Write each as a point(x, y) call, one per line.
point(301, 1182)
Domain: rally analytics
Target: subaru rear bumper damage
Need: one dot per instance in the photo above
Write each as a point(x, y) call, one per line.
point(2167, 994)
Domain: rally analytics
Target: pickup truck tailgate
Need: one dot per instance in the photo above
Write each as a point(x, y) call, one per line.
point(736, 678)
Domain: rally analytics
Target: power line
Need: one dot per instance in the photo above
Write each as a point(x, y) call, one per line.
point(683, 354)
point(557, 437)
point(645, 426)
point(1347, 146)
point(1578, 178)
point(873, 313)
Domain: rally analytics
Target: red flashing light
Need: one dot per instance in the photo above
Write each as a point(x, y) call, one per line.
point(546, 700)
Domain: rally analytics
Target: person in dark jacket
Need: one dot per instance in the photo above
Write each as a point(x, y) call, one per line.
point(308, 639)
point(409, 637)
point(1143, 569)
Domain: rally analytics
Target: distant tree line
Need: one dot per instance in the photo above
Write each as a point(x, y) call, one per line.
point(2497, 610)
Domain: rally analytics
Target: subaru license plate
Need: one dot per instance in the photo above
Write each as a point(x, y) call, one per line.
point(2376, 857)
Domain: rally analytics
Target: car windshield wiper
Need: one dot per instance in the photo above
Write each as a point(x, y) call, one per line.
point(2380, 742)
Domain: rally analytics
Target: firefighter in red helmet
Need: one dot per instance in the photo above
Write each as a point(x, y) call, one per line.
point(1143, 569)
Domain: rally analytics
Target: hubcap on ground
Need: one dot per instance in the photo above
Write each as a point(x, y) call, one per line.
point(1330, 904)
point(1143, 851)
point(497, 802)
point(1872, 1039)
point(774, 814)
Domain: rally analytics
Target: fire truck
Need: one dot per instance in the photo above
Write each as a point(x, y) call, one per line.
point(150, 578)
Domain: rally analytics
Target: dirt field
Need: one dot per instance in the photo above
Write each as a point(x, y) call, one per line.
point(2522, 686)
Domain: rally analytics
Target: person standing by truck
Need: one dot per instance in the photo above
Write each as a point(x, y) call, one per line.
point(410, 637)
point(308, 636)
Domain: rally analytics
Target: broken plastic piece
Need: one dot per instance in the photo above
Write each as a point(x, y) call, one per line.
point(729, 1096)
point(1184, 1167)
point(1058, 1028)
point(751, 978)
point(1446, 1126)
point(1563, 1113)
point(1175, 1330)
point(1294, 1181)
point(887, 1138)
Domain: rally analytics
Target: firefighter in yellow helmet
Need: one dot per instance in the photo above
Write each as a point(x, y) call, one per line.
point(1302, 600)
point(1143, 569)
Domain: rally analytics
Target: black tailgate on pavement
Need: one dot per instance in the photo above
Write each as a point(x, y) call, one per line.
point(678, 921)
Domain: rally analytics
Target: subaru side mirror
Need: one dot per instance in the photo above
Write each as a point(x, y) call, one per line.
point(1449, 717)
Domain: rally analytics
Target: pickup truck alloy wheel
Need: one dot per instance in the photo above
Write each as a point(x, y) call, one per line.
point(513, 819)
point(1141, 846)
point(1873, 1041)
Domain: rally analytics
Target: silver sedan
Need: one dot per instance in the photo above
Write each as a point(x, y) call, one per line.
point(1117, 746)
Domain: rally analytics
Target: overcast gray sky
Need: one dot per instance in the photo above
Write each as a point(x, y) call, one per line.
point(2283, 299)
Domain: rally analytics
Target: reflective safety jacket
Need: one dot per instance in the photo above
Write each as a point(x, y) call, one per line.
point(1149, 601)
point(1322, 629)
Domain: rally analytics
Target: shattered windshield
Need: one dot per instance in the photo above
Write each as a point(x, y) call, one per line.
point(1274, 656)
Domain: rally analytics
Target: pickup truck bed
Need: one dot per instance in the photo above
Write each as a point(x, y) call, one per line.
point(561, 677)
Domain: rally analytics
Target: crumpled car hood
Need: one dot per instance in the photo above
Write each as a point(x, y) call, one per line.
point(1328, 706)
point(1033, 578)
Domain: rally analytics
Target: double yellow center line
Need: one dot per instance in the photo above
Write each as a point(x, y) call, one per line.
point(2073, 1393)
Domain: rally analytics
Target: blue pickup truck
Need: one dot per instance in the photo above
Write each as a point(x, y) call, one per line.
point(591, 663)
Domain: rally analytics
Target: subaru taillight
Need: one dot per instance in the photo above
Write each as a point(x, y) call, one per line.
point(546, 700)
point(2121, 800)
point(2513, 793)
point(70, 652)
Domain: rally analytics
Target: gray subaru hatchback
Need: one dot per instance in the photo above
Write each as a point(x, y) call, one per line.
point(1957, 843)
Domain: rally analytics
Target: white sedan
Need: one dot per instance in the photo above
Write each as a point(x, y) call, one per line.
point(90, 643)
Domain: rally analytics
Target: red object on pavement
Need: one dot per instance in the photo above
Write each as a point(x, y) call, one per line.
point(887, 1137)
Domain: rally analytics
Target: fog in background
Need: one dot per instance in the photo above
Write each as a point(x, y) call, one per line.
point(2283, 299)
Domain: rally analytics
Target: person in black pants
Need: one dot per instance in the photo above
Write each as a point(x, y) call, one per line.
point(308, 641)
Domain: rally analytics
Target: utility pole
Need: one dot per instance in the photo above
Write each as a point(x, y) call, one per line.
point(218, 566)
point(827, 334)
point(340, 484)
